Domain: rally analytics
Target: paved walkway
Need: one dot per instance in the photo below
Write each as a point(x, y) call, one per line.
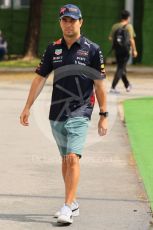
point(110, 68)
point(111, 193)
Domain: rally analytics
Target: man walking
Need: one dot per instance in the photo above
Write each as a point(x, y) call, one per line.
point(72, 99)
point(122, 36)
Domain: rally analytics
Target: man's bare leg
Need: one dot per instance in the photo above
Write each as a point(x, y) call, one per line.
point(71, 173)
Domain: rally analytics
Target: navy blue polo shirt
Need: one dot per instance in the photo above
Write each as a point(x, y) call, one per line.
point(72, 95)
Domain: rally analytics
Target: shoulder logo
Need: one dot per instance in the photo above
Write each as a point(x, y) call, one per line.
point(87, 43)
point(58, 51)
point(58, 42)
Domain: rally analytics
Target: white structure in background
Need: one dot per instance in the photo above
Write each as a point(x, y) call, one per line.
point(17, 4)
point(20, 3)
point(129, 5)
point(5, 4)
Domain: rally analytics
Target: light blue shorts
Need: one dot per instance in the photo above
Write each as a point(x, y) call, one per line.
point(70, 135)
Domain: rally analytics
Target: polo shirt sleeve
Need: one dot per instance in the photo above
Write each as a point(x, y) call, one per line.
point(98, 62)
point(45, 67)
point(131, 31)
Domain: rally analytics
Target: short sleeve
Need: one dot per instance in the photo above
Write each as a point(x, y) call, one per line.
point(131, 31)
point(98, 62)
point(45, 67)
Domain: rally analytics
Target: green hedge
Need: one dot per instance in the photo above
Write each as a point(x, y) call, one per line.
point(98, 18)
point(13, 23)
point(147, 57)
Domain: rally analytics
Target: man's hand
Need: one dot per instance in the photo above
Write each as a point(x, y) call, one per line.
point(24, 117)
point(134, 53)
point(35, 90)
point(102, 126)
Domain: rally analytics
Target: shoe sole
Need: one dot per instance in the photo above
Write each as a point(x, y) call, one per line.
point(75, 213)
point(64, 221)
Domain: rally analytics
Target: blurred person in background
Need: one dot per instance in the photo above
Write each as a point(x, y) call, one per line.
point(3, 46)
point(123, 43)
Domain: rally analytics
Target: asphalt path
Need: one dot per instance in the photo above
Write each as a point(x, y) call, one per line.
point(111, 193)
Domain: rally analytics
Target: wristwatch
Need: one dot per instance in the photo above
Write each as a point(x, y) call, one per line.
point(104, 114)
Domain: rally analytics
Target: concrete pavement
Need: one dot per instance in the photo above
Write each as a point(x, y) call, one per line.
point(111, 192)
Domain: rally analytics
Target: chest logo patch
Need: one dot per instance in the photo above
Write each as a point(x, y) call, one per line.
point(58, 51)
point(82, 53)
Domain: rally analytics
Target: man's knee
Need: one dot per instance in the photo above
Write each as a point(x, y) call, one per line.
point(71, 159)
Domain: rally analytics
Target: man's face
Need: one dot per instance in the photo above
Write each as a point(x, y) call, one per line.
point(70, 27)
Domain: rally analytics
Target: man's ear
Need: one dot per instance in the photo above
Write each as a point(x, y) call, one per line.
point(81, 22)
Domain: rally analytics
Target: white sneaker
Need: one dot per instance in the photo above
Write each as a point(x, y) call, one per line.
point(128, 89)
point(74, 208)
point(114, 91)
point(65, 215)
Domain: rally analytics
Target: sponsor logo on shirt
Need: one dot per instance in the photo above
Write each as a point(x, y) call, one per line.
point(81, 58)
point(82, 52)
point(102, 69)
point(102, 66)
point(58, 51)
point(101, 57)
point(80, 63)
point(57, 59)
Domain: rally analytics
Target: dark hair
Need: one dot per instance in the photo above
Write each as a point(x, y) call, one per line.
point(125, 14)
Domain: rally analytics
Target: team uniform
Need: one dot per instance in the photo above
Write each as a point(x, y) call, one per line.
point(77, 67)
point(69, 113)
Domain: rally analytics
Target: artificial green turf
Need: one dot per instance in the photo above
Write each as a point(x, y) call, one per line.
point(139, 120)
point(19, 63)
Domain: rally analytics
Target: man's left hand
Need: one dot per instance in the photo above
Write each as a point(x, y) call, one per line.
point(102, 126)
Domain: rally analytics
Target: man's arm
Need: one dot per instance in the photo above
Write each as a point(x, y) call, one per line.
point(132, 40)
point(101, 98)
point(133, 46)
point(35, 90)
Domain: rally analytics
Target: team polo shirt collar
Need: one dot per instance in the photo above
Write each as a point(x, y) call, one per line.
point(80, 41)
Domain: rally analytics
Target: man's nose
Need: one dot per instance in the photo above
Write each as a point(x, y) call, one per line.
point(68, 23)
